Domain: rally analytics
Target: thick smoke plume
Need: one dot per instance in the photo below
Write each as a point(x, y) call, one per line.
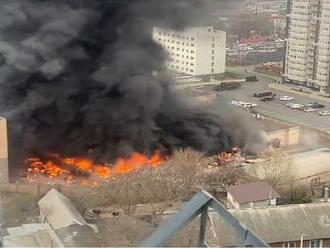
point(84, 77)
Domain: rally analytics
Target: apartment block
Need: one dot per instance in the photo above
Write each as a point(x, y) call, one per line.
point(194, 51)
point(308, 43)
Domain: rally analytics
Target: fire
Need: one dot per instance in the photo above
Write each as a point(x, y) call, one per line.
point(57, 167)
point(136, 161)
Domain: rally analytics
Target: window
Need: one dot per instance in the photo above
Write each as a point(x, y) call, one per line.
point(289, 245)
point(316, 243)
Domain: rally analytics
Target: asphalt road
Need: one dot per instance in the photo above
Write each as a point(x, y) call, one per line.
point(277, 108)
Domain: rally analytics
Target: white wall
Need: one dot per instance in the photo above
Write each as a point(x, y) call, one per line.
point(206, 54)
point(257, 204)
point(193, 50)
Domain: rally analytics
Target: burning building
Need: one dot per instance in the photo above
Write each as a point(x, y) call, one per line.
point(83, 79)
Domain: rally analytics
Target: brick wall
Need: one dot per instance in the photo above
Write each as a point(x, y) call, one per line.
point(325, 243)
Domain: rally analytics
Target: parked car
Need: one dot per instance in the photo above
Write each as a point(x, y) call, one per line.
point(324, 112)
point(248, 105)
point(258, 116)
point(235, 103)
point(263, 94)
point(289, 104)
point(251, 79)
point(286, 98)
point(310, 109)
point(267, 99)
point(230, 85)
point(305, 89)
point(297, 106)
point(314, 105)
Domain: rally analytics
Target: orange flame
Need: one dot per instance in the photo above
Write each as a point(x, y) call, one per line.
point(68, 165)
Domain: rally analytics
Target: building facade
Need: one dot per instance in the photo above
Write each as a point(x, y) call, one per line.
point(4, 173)
point(308, 43)
point(251, 195)
point(194, 51)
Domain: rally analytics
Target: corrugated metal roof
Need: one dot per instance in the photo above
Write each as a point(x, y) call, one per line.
point(279, 224)
point(252, 192)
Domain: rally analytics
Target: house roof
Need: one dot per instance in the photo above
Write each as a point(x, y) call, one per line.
point(278, 224)
point(59, 210)
point(252, 192)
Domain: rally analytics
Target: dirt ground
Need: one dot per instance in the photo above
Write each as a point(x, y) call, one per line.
point(19, 208)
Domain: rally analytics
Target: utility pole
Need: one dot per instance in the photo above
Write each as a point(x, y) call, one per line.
point(302, 240)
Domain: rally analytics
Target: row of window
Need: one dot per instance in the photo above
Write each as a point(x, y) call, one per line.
point(182, 56)
point(176, 36)
point(316, 243)
point(182, 62)
point(177, 42)
point(181, 68)
point(178, 49)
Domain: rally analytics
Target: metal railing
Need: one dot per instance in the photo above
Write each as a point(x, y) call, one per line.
point(199, 205)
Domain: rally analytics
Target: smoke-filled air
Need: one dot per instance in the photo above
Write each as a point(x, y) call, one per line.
point(85, 78)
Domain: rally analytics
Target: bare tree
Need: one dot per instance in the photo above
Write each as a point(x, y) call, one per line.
point(157, 187)
point(178, 178)
point(276, 170)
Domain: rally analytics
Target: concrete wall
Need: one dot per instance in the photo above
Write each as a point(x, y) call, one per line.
point(288, 137)
point(39, 189)
point(258, 204)
point(205, 52)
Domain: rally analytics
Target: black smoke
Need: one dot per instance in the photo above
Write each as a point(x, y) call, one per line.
point(84, 77)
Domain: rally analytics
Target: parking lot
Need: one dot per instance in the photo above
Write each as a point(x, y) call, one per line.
point(277, 108)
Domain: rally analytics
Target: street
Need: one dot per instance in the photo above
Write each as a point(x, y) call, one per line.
point(277, 109)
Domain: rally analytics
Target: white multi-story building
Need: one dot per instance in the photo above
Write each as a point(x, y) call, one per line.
point(308, 43)
point(194, 51)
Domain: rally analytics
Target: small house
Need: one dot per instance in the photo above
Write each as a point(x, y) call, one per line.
point(251, 195)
